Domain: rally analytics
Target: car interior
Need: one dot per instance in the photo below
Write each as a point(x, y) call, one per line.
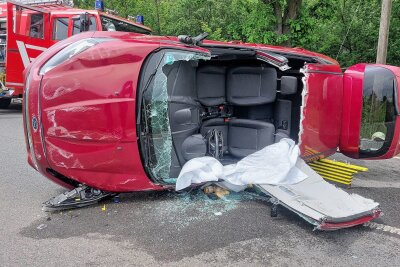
point(230, 106)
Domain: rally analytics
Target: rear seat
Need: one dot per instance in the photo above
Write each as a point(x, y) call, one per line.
point(248, 136)
point(253, 90)
point(211, 92)
point(245, 87)
point(250, 86)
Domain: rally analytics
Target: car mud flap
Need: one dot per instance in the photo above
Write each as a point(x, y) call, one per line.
point(320, 203)
point(77, 198)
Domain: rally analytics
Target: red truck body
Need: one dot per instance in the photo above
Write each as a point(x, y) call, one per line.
point(28, 30)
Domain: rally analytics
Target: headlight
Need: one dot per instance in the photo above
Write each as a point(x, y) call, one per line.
point(28, 120)
point(70, 51)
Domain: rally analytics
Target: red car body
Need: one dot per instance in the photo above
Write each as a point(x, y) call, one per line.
point(80, 116)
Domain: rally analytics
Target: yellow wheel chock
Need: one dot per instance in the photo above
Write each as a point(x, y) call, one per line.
point(336, 171)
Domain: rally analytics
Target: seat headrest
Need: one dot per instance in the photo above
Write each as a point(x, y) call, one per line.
point(288, 85)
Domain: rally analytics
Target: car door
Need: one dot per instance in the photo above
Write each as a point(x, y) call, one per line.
point(28, 36)
point(370, 118)
point(320, 118)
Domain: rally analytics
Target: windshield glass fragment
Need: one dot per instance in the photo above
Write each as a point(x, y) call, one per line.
point(156, 101)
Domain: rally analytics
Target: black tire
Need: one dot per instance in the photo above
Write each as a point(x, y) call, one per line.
point(5, 103)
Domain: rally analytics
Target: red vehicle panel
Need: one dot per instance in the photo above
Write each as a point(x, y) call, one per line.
point(104, 146)
point(322, 112)
point(31, 29)
point(106, 138)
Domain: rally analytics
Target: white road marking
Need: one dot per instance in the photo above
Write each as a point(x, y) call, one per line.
point(382, 227)
point(360, 182)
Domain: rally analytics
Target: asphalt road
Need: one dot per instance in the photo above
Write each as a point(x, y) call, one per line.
point(175, 230)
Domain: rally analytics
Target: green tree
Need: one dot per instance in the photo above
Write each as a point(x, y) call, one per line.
point(343, 29)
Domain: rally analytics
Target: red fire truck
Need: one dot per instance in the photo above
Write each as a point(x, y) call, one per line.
point(27, 28)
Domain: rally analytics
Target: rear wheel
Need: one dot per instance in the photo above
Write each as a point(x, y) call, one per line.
point(5, 103)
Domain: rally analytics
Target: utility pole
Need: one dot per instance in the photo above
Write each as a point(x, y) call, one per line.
point(384, 32)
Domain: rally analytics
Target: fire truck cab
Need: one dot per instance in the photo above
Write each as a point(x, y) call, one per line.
point(26, 30)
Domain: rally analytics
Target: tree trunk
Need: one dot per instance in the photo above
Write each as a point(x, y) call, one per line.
point(156, 2)
point(291, 13)
point(284, 14)
point(278, 17)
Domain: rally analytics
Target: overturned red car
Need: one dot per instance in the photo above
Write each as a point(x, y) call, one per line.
point(123, 112)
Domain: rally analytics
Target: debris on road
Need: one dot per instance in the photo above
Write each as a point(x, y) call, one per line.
point(215, 190)
point(184, 209)
point(116, 199)
point(293, 185)
point(41, 226)
point(79, 197)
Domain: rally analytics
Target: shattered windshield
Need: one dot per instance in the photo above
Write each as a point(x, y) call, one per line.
point(155, 108)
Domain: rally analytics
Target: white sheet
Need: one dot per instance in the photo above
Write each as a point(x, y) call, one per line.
point(274, 164)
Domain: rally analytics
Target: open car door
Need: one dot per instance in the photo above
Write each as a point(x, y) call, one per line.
point(370, 128)
point(370, 119)
point(28, 36)
point(320, 203)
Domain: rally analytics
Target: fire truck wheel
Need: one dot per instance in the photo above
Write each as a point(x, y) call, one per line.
point(5, 103)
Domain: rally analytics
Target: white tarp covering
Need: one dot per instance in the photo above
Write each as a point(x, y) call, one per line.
point(274, 165)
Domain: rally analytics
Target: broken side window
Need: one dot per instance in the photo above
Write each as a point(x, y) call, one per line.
point(155, 105)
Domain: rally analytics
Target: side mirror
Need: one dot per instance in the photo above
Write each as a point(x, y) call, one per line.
point(84, 22)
